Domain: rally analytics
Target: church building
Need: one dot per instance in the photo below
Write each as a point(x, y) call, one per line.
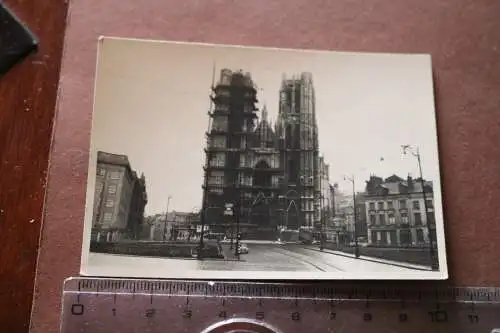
point(262, 177)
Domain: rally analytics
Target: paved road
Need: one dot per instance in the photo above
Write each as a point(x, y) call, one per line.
point(264, 257)
point(261, 257)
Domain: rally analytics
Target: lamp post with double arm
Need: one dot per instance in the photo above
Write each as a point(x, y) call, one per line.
point(414, 150)
point(166, 219)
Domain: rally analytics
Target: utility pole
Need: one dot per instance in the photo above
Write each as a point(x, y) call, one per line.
point(166, 219)
point(237, 245)
point(321, 235)
point(416, 152)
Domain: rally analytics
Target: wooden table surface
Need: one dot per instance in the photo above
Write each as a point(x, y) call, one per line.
point(27, 104)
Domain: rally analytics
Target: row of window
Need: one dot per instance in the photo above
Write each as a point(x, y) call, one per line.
point(112, 175)
point(402, 204)
point(111, 188)
point(221, 123)
point(382, 219)
point(217, 178)
point(391, 237)
point(247, 161)
point(219, 160)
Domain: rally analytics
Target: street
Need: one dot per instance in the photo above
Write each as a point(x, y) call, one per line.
point(261, 257)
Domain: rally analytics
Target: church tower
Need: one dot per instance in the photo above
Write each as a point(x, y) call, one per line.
point(298, 131)
point(232, 124)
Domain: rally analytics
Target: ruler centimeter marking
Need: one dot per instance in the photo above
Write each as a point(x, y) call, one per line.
point(282, 290)
point(195, 306)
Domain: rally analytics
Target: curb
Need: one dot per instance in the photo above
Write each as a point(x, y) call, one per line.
point(371, 259)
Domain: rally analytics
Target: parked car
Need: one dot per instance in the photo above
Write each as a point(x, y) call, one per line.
point(243, 249)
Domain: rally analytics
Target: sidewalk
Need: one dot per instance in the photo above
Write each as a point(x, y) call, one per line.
point(372, 259)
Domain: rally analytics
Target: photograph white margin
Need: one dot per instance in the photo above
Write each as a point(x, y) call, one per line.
point(153, 272)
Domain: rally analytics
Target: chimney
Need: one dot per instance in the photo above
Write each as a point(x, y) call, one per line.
point(409, 181)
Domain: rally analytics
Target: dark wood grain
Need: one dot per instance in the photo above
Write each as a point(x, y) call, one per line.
point(27, 104)
point(461, 35)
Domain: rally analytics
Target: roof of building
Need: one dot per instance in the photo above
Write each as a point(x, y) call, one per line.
point(110, 158)
point(264, 128)
point(395, 185)
point(120, 160)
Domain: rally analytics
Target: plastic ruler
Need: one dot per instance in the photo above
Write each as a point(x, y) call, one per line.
point(172, 306)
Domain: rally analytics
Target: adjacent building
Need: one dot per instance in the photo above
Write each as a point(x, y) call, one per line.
point(181, 228)
point(396, 211)
point(361, 224)
point(325, 195)
point(269, 175)
point(349, 216)
point(119, 199)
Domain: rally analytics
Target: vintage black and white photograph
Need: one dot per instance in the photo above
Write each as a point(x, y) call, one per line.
point(230, 162)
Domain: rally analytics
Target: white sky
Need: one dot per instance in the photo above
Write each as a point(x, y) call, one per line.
point(152, 99)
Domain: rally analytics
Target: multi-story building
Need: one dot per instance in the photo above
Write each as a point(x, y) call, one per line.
point(325, 193)
point(119, 199)
point(395, 211)
point(362, 225)
point(269, 175)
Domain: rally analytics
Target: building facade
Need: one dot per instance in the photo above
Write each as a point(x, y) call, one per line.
point(268, 174)
point(325, 200)
point(361, 225)
point(297, 128)
point(395, 211)
point(119, 199)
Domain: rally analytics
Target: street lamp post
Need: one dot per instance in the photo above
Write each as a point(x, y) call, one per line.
point(321, 221)
point(321, 215)
point(166, 219)
point(354, 213)
point(237, 245)
point(416, 152)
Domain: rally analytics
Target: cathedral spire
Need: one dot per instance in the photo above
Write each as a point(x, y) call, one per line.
point(264, 113)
